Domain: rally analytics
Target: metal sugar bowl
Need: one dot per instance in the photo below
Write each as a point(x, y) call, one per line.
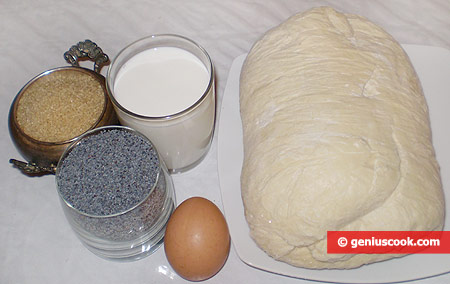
point(57, 106)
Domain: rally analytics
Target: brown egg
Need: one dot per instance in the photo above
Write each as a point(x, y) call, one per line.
point(197, 240)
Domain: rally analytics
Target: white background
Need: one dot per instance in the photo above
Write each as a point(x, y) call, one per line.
point(36, 243)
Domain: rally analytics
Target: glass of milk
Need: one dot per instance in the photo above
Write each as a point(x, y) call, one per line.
point(163, 86)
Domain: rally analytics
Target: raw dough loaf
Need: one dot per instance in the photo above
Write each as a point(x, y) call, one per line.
point(336, 137)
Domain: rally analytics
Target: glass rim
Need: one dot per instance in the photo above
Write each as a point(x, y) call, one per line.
point(93, 132)
point(110, 88)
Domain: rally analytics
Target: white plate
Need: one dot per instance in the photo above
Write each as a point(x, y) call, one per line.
point(433, 67)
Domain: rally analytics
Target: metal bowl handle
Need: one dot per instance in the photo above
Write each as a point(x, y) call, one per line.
point(32, 168)
point(86, 49)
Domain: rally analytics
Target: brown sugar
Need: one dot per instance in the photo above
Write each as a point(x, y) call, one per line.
point(60, 106)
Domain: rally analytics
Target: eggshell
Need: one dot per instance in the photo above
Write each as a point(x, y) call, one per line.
point(197, 240)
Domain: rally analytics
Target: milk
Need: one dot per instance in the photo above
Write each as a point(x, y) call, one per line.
point(161, 81)
point(167, 93)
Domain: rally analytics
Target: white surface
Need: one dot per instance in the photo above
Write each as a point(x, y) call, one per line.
point(430, 64)
point(36, 243)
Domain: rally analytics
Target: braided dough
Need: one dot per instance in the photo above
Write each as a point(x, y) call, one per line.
point(336, 137)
